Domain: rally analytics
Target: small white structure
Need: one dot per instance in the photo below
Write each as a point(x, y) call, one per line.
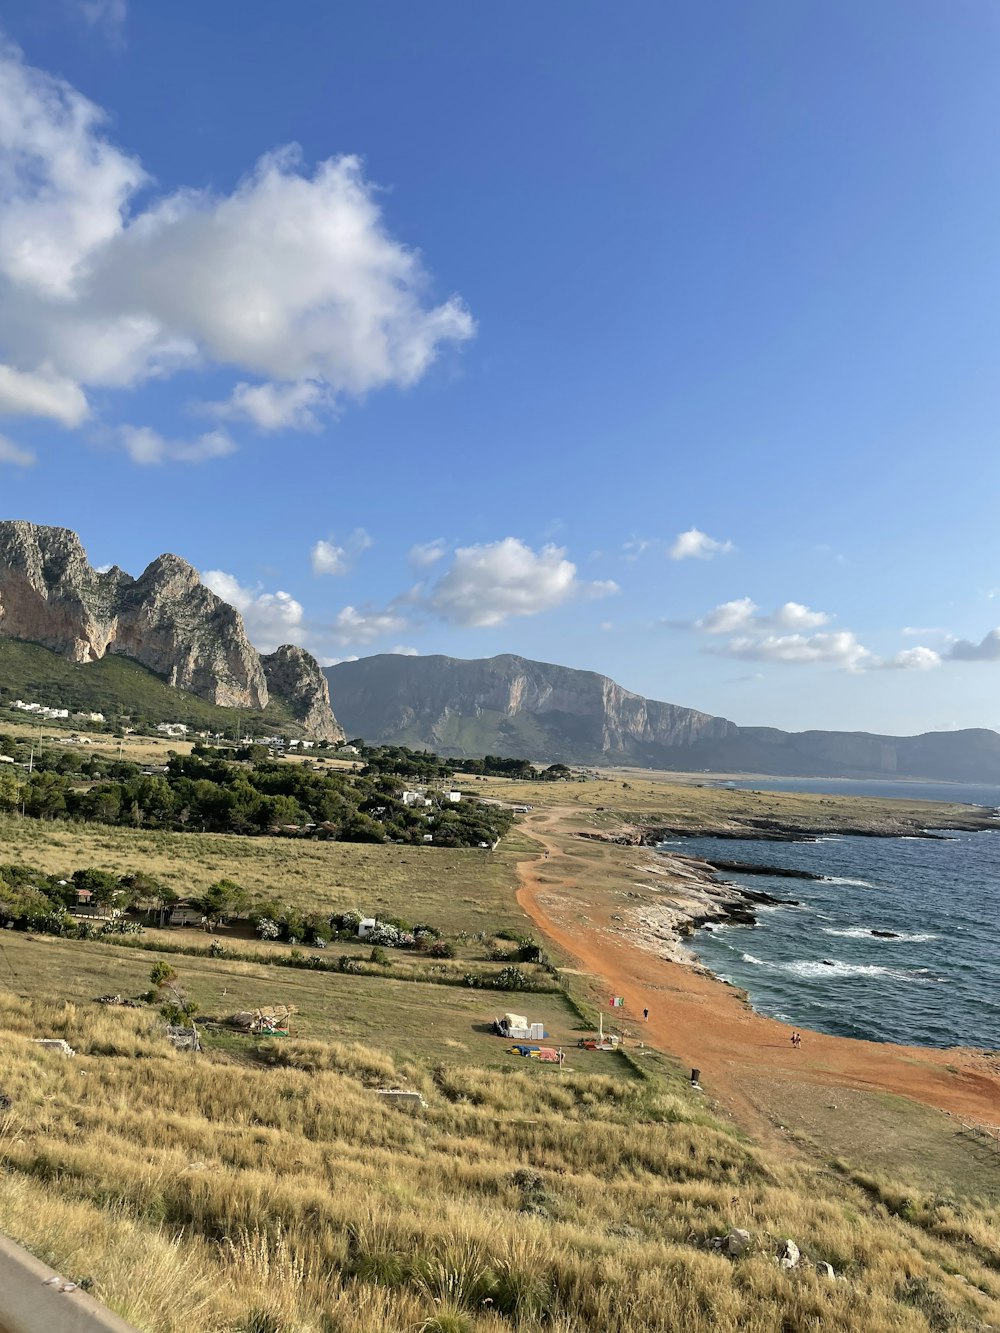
point(454, 797)
point(347, 749)
point(172, 729)
point(55, 1044)
point(366, 927)
point(6, 759)
point(517, 1025)
point(428, 837)
point(88, 717)
point(412, 797)
point(401, 1097)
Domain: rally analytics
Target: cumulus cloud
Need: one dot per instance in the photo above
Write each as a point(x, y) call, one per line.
point(149, 448)
point(402, 650)
point(365, 624)
point(276, 406)
point(291, 279)
point(327, 557)
point(271, 618)
point(743, 615)
point(987, 650)
point(913, 659)
point(697, 545)
point(489, 583)
point(41, 394)
point(14, 455)
point(425, 554)
point(839, 648)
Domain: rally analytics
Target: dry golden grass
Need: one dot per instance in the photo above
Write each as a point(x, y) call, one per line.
point(659, 798)
point(453, 888)
point(199, 1193)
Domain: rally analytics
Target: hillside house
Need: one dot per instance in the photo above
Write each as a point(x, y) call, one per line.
point(366, 926)
point(186, 914)
point(454, 797)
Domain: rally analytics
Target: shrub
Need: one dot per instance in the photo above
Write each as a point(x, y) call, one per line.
point(268, 929)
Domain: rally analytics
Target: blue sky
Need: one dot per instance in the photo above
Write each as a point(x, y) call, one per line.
point(659, 339)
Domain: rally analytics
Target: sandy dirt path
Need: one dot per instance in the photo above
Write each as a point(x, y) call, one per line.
point(707, 1026)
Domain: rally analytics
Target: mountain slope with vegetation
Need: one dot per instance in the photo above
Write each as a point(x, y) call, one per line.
point(167, 620)
point(510, 705)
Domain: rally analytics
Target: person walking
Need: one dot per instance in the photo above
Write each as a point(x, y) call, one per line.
point(645, 1015)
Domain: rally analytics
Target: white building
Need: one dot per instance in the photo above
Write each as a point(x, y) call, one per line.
point(454, 796)
point(172, 729)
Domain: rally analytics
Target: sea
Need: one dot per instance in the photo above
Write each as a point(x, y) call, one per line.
point(816, 963)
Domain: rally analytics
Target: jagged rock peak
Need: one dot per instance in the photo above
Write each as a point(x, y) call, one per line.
point(166, 619)
point(295, 676)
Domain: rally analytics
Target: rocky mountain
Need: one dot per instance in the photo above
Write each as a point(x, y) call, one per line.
point(166, 619)
point(513, 706)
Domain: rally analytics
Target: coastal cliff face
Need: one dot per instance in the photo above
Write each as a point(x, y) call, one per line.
point(509, 705)
point(166, 619)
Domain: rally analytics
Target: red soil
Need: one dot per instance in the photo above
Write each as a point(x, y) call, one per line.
point(707, 1026)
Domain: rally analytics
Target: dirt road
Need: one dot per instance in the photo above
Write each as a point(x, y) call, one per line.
point(707, 1026)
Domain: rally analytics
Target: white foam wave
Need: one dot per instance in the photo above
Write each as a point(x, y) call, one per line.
point(841, 879)
point(866, 933)
point(807, 967)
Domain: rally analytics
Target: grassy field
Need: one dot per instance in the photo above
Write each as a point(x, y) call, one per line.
point(263, 1187)
point(454, 889)
point(278, 1195)
point(686, 806)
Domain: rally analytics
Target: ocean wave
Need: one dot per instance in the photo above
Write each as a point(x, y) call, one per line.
point(867, 932)
point(842, 879)
point(808, 967)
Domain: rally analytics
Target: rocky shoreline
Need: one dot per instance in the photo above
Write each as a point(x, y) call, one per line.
point(690, 896)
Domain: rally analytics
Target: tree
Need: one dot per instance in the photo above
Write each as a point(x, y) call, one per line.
point(44, 795)
point(10, 791)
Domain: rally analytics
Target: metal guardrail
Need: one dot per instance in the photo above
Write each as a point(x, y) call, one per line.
point(36, 1299)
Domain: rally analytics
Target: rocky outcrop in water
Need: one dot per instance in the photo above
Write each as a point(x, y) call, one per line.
point(166, 619)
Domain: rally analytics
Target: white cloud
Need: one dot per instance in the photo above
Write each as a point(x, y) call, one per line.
point(743, 615)
point(276, 406)
point(987, 650)
point(336, 661)
point(487, 584)
point(425, 554)
point(839, 648)
point(271, 618)
point(919, 631)
point(401, 650)
point(913, 659)
point(329, 558)
point(149, 448)
point(697, 545)
point(291, 278)
point(367, 624)
point(14, 455)
point(41, 394)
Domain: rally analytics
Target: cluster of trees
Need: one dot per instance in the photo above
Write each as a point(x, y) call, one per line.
point(425, 764)
point(202, 792)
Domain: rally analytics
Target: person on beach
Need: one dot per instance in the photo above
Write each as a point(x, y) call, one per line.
point(645, 1015)
point(793, 1039)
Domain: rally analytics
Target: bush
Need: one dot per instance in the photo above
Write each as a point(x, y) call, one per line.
point(442, 949)
point(378, 956)
point(267, 929)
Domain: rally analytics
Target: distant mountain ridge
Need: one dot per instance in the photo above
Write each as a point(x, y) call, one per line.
point(511, 705)
point(166, 620)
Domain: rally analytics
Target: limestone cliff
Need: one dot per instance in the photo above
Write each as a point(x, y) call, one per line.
point(295, 676)
point(533, 710)
point(166, 619)
point(511, 705)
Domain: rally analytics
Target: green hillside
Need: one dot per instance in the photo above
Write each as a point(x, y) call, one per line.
point(120, 688)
